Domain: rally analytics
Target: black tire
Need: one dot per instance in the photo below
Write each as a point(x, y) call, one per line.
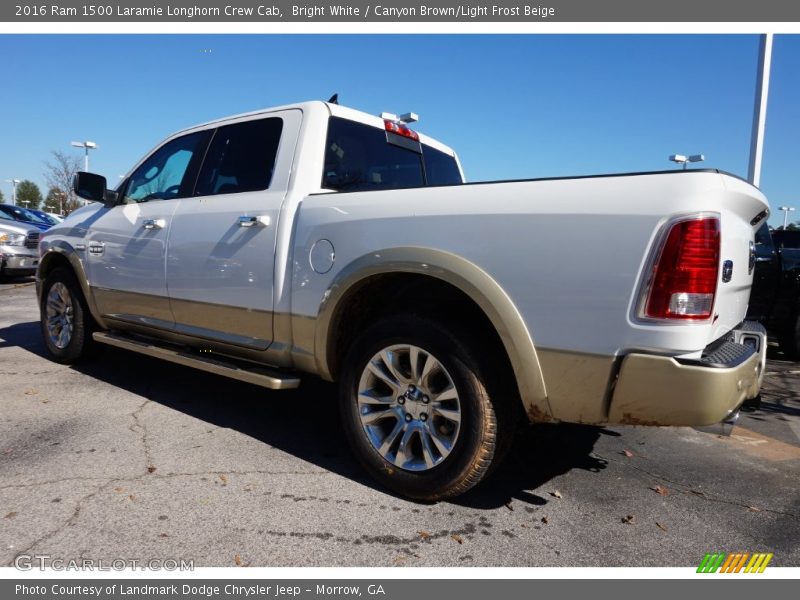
point(789, 338)
point(80, 342)
point(487, 421)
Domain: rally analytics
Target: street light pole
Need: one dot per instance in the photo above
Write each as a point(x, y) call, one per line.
point(786, 210)
point(87, 145)
point(13, 183)
point(760, 109)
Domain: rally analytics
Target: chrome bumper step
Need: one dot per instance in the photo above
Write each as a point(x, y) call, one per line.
point(268, 378)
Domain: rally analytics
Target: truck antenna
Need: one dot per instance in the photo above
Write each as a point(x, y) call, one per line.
point(334, 99)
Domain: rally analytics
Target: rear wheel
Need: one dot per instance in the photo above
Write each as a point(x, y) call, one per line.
point(417, 411)
point(66, 323)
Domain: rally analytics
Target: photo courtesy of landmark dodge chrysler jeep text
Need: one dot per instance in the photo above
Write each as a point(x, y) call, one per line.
point(316, 239)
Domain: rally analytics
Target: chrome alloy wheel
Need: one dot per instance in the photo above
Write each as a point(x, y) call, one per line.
point(59, 315)
point(409, 407)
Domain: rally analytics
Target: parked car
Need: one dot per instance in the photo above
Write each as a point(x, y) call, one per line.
point(775, 298)
point(789, 238)
point(19, 256)
point(23, 215)
point(45, 217)
point(56, 216)
point(313, 239)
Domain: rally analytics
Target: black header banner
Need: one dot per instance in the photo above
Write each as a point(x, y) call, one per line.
point(254, 11)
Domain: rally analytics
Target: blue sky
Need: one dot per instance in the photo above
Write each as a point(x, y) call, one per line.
point(513, 106)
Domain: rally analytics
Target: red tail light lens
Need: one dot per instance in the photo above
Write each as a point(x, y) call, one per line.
point(400, 129)
point(685, 275)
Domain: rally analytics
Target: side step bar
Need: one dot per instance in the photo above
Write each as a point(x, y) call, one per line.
point(274, 380)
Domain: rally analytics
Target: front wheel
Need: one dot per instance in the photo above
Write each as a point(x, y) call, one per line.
point(416, 409)
point(66, 323)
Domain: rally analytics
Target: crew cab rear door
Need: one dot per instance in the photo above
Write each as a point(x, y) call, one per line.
point(221, 250)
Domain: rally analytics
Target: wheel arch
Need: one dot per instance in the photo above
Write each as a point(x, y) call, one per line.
point(463, 275)
point(61, 254)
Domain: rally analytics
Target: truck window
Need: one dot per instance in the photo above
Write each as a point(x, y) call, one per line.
point(169, 171)
point(440, 168)
point(357, 157)
point(241, 158)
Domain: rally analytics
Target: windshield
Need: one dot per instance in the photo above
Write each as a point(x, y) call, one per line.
point(22, 214)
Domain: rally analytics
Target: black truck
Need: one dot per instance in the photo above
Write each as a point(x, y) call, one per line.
point(775, 297)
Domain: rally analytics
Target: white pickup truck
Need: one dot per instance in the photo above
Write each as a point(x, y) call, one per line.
point(316, 239)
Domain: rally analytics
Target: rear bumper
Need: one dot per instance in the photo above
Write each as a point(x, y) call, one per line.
point(661, 390)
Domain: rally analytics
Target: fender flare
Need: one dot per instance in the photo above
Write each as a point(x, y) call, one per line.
point(467, 277)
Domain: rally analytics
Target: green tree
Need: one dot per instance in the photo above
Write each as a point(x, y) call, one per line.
point(54, 201)
point(1, 197)
point(28, 194)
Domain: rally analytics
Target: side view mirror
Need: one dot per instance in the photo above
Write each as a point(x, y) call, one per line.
point(92, 187)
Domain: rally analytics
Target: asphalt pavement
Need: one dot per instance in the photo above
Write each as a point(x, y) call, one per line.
point(129, 457)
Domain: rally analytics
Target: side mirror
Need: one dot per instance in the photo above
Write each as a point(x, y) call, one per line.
point(93, 187)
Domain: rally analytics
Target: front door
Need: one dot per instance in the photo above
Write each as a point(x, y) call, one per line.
point(220, 259)
point(126, 244)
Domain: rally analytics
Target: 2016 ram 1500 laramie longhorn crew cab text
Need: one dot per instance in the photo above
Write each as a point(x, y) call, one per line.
point(317, 239)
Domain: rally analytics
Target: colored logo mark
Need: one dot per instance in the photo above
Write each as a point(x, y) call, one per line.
point(734, 563)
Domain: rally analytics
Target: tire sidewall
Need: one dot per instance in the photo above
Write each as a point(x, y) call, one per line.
point(75, 348)
point(476, 409)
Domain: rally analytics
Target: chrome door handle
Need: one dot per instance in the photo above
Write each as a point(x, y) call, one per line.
point(763, 258)
point(248, 221)
point(154, 223)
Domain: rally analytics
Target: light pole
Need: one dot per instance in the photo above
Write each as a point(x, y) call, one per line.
point(87, 145)
point(13, 183)
point(786, 210)
point(684, 160)
point(760, 109)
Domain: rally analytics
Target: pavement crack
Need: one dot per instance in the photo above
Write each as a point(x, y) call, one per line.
point(12, 486)
point(71, 520)
point(691, 491)
point(139, 428)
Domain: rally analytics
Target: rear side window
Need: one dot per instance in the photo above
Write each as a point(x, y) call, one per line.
point(360, 157)
point(241, 158)
point(440, 168)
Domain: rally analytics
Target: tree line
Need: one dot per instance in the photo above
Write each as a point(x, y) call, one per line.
point(59, 172)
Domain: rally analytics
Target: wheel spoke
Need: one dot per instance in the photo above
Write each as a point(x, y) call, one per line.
point(385, 377)
point(448, 394)
point(450, 414)
point(390, 439)
point(443, 445)
point(402, 456)
point(388, 359)
point(427, 449)
point(373, 416)
point(430, 365)
point(370, 396)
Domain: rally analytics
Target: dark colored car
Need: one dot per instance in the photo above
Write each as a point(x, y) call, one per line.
point(23, 215)
point(43, 216)
point(775, 297)
point(786, 239)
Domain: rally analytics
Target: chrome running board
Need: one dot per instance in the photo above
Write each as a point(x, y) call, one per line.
point(250, 373)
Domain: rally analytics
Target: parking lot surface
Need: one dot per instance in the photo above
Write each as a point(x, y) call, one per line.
point(128, 457)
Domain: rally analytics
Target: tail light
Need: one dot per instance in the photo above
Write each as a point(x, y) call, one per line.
point(684, 279)
point(400, 129)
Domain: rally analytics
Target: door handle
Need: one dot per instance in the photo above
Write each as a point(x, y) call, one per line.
point(249, 221)
point(154, 223)
point(763, 259)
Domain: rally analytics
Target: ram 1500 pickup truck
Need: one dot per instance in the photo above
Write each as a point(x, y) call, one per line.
point(19, 242)
point(317, 239)
point(775, 298)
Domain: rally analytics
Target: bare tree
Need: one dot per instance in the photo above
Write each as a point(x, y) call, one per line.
point(59, 173)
